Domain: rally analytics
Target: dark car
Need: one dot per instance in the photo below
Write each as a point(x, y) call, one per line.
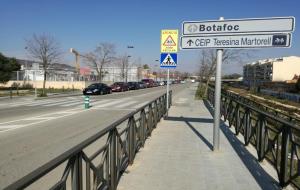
point(97, 89)
point(149, 82)
point(142, 85)
point(119, 87)
point(133, 85)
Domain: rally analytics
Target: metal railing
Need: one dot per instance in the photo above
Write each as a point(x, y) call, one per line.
point(81, 171)
point(276, 139)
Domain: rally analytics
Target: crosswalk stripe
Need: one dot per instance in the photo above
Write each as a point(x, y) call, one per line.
point(10, 126)
point(140, 105)
point(72, 104)
point(126, 104)
point(59, 103)
point(111, 103)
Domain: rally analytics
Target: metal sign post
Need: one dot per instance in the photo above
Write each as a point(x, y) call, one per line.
point(168, 81)
point(168, 57)
point(217, 117)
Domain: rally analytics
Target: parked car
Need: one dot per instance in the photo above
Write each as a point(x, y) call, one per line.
point(155, 84)
point(161, 83)
point(133, 85)
point(97, 89)
point(149, 82)
point(142, 85)
point(119, 87)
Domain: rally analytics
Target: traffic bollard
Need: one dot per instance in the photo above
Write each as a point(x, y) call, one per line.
point(86, 102)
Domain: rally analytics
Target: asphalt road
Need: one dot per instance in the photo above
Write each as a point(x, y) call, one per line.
point(32, 132)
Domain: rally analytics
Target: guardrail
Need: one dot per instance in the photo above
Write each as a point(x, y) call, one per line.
point(115, 155)
point(275, 139)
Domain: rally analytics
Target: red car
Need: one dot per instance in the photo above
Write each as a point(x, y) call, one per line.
point(119, 87)
point(149, 82)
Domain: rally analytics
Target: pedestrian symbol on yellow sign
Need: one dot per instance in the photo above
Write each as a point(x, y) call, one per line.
point(169, 41)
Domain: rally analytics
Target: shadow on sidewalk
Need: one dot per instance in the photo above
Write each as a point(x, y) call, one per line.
point(264, 180)
point(187, 120)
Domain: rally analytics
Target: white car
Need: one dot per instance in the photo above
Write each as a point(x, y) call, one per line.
point(193, 80)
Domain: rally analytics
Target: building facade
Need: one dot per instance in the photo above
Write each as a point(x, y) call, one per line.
point(271, 70)
point(33, 71)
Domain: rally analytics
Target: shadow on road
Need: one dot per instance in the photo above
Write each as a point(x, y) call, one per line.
point(187, 120)
point(264, 180)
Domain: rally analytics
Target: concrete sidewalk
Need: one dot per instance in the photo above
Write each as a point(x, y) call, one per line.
point(179, 155)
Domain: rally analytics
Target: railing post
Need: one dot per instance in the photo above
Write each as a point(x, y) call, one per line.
point(131, 140)
point(150, 118)
point(170, 99)
point(77, 173)
point(260, 138)
point(143, 127)
point(237, 119)
point(283, 173)
point(113, 159)
point(247, 127)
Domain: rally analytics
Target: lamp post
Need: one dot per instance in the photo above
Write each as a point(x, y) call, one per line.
point(128, 47)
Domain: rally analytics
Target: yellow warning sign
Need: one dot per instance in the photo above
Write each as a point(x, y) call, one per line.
point(169, 41)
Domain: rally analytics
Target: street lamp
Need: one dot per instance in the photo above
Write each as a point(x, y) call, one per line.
point(128, 47)
point(77, 57)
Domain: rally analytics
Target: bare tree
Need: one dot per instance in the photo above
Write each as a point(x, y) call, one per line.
point(208, 62)
point(102, 55)
point(123, 63)
point(45, 49)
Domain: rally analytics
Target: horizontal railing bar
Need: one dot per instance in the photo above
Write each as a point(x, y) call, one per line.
point(44, 169)
point(287, 123)
point(123, 131)
point(93, 156)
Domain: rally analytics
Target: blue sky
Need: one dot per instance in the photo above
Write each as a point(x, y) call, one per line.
point(84, 24)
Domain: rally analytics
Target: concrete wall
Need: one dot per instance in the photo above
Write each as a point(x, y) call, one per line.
point(54, 84)
point(286, 69)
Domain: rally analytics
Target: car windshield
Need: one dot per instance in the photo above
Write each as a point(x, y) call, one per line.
point(118, 83)
point(93, 86)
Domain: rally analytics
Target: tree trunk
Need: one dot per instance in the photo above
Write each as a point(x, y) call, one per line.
point(44, 83)
point(100, 74)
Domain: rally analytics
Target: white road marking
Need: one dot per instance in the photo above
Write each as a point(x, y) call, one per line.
point(126, 104)
point(43, 119)
point(59, 103)
point(141, 104)
point(111, 103)
point(10, 126)
point(113, 109)
point(72, 104)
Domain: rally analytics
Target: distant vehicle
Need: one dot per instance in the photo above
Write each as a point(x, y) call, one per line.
point(182, 82)
point(193, 80)
point(142, 85)
point(119, 87)
point(149, 82)
point(155, 84)
point(97, 89)
point(133, 85)
point(161, 83)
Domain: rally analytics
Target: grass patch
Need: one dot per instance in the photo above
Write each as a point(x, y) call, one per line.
point(200, 93)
